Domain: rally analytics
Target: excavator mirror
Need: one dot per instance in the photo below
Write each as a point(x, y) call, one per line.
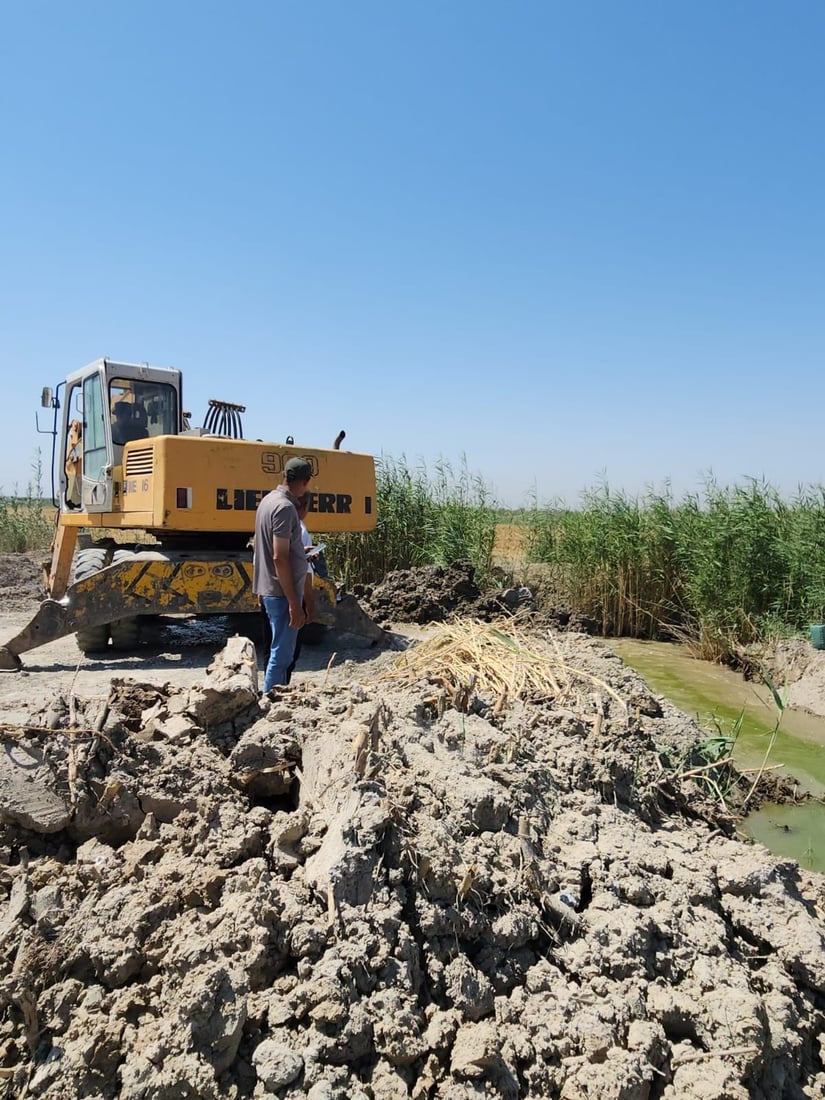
point(46, 397)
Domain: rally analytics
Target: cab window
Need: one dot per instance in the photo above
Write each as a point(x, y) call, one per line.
point(95, 457)
point(142, 410)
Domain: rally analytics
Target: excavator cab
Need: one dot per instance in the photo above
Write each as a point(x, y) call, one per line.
point(106, 406)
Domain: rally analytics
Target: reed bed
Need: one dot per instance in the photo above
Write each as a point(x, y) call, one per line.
point(721, 569)
point(424, 518)
point(465, 657)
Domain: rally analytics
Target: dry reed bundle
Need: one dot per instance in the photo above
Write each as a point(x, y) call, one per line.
point(467, 657)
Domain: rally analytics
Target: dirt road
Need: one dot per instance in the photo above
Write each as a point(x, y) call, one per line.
point(173, 652)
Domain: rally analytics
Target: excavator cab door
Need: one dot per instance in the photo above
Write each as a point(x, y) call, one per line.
point(96, 484)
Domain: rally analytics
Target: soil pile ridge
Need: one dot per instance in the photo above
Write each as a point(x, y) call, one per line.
point(795, 667)
point(394, 880)
point(21, 580)
point(437, 593)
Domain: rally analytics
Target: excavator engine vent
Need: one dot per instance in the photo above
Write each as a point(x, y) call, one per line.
point(224, 418)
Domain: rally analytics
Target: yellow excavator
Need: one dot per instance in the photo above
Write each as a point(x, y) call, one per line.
point(155, 517)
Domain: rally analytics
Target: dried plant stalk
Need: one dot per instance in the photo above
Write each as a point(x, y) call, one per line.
point(496, 663)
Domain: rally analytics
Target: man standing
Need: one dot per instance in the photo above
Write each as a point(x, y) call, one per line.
point(279, 566)
point(309, 594)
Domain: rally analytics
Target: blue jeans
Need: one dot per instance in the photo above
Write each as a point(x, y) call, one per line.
point(283, 640)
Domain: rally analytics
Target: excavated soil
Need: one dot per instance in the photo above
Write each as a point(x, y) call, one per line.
point(435, 593)
point(373, 885)
point(796, 667)
point(21, 580)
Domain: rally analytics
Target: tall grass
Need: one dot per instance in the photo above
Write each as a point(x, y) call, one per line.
point(26, 522)
point(723, 567)
point(424, 518)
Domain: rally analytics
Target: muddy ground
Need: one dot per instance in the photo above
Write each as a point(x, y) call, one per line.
point(383, 883)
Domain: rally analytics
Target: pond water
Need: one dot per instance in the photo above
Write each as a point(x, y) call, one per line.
point(716, 696)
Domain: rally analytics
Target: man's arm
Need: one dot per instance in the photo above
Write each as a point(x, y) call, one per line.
point(283, 571)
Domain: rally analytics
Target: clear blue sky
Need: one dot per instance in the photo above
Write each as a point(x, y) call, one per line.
point(566, 240)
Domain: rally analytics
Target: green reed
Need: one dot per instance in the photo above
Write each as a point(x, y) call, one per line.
point(424, 518)
point(722, 568)
point(24, 525)
point(26, 521)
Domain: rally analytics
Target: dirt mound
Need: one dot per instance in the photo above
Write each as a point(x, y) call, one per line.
point(795, 668)
point(435, 594)
point(385, 883)
point(429, 594)
point(21, 580)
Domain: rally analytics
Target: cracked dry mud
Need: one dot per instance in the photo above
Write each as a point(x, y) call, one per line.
point(353, 889)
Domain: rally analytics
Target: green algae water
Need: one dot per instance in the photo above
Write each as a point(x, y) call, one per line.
point(715, 697)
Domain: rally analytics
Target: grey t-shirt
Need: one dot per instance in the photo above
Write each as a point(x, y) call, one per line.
point(277, 517)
